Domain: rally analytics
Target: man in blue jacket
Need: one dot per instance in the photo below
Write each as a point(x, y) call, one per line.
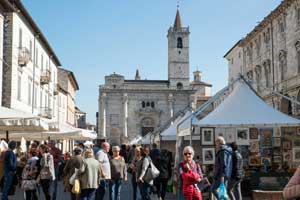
point(10, 164)
point(223, 165)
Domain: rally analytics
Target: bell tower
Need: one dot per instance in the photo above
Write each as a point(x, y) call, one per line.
point(178, 54)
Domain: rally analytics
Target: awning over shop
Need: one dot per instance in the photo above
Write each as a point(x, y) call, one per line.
point(243, 108)
point(14, 120)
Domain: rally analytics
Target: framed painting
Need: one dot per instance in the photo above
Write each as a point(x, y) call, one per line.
point(207, 136)
point(287, 156)
point(276, 142)
point(266, 135)
point(254, 160)
point(254, 146)
point(277, 159)
point(287, 145)
point(296, 154)
point(253, 133)
point(208, 155)
point(242, 136)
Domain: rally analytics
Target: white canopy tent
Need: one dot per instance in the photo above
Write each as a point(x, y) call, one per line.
point(243, 108)
point(170, 133)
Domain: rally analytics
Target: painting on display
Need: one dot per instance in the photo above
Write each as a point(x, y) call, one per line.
point(296, 154)
point(253, 133)
point(287, 145)
point(207, 136)
point(254, 146)
point(277, 132)
point(254, 160)
point(298, 131)
point(220, 132)
point(266, 135)
point(242, 136)
point(296, 143)
point(287, 156)
point(266, 161)
point(230, 136)
point(276, 142)
point(208, 155)
point(277, 151)
point(277, 159)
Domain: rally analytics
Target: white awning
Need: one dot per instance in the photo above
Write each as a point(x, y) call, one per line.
point(14, 120)
point(243, 108)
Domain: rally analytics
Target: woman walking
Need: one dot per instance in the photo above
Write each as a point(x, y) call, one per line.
point(89, 175)
point(189, 175)
point(29, 176)
point(118, 174)
point(141, 169)
point(47, 170)
point(132, 168)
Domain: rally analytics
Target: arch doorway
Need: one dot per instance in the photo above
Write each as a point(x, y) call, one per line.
point(148, 125)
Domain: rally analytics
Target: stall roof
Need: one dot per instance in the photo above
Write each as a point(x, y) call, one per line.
point(243, 107)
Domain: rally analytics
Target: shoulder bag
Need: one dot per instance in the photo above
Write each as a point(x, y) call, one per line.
point(151, 173)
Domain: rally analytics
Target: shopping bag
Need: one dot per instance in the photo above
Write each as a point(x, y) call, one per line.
point(76, 187)
point(73, 177)
point(222, 192)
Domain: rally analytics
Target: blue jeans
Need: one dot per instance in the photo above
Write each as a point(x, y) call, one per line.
point(100, 192)
point(145, 190)
point(216, 185)
point(134, 186)
point(56, 171)
point(234, 189)
point(115, 189)
point(8, 179)
point(88, 194)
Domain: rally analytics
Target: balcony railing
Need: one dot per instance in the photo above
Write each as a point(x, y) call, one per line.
point(23, 57)
point(45, 77)
point(46, 112)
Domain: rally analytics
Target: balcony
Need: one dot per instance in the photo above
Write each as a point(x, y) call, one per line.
point(45, 77)
point(46, 112)
point(23, 57)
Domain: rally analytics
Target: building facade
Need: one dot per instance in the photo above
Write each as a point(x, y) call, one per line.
point(80, 118)
point(29, 65)
point(269, 57)
point(68, 85)
point(128, 108)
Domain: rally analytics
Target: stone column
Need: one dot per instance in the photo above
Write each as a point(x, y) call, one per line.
point(171, 104)
point(103, 115)
point(125, 102)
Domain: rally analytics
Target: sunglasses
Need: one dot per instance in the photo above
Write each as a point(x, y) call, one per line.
point(187, 154)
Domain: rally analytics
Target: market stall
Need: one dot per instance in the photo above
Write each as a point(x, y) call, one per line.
point(268, 139)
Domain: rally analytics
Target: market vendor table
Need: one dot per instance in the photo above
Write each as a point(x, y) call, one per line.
point(267, 195)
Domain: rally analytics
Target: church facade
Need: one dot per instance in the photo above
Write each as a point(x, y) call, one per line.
point(128, 108)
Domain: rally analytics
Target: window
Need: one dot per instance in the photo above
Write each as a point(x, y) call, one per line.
point(267, 70)
point(143, 104)
point(41, 97)
point(42, 62)
point(30, 49)
point(179, 86)
point(258, 77)
point(29, 91)
point(179, 43)
point(19, 87)
point(36, 57)
point(298, 14)
point(35, 97)
point(297, 46)
point(152, 104)
point(282, 65)
point(148, 104)
point(20, 38)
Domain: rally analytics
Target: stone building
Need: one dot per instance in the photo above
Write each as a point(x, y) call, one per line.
point(128, 108)
point(80, 118)
point(269, 57)
point(29, 63)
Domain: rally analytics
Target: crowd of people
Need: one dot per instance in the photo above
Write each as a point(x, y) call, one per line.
point(102, 169)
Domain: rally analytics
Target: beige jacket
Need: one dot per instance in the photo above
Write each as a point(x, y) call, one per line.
point(89, 174)
point(292, 189)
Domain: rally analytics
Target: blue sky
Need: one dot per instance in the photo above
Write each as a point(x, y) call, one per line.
point(94, 38)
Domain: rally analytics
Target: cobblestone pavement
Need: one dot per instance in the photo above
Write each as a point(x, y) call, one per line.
point(126, 193)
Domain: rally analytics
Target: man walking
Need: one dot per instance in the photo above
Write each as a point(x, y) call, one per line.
point(57, 156)
point(223, 165)
point(102, 157)
point(10, 164)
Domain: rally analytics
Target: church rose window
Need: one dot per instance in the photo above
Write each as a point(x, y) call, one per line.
point(179, 42)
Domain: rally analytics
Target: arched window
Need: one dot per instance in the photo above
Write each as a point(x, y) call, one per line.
point(258, 77)
point(148, 104)
point(179, 86)
point(179, 42)
point(297, 45)
point(152, 104)
point(143, 104)
point(267, 70)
